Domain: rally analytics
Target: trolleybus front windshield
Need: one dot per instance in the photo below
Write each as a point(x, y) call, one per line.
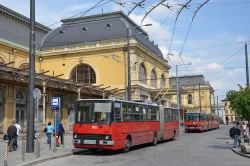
point(93, 112)
point(192, 117)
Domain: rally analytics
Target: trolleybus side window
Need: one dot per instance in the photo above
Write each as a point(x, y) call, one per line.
point(154, 111)
point(148, 110)
point(117, 112)
point(141, 110)
point(174, 114)
point(136, 113)
point(144, 112)
point(125, 111)
point(167, 115)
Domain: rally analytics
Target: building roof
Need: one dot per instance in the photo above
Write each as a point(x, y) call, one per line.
point(108, 26)
point(189, 80)
point(15, 27)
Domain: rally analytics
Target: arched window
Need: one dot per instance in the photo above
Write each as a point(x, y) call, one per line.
point(190, 99)
point(163, 81)
point(142, 74)
point(24, 66)
point(83, 73)
point(153, 78)
point(20, 107)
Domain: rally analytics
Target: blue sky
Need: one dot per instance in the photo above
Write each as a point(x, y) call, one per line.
point(213, 45)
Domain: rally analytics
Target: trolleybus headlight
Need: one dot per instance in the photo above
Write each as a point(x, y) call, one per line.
point(107, 137)
point(75, 135)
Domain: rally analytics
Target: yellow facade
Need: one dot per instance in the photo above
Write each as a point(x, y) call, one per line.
point(193, 97)
point(109, 61)
point(108, 58)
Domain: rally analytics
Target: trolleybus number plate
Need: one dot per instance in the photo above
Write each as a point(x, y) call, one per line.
point(89, 141)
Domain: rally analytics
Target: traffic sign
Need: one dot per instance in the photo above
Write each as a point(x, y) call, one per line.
point(37, 94)
point(55, 102)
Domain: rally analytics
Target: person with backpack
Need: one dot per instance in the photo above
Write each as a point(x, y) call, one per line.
point(12, 135)
point(60, 132)
point(235, 133)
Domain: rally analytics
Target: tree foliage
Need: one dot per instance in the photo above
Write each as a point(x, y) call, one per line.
point(240, 102)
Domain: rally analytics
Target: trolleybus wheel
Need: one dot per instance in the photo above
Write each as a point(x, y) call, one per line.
point(154, 143)
point(127, 145)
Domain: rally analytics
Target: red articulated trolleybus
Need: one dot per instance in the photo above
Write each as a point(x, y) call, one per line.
point(200, 122)
point(117, 124)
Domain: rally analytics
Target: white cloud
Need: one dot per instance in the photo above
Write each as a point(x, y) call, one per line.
point(214, 65)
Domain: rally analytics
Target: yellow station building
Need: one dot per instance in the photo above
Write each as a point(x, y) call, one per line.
point(87, 57)
point(195, 94)
point(94, 50)
point(83, 58)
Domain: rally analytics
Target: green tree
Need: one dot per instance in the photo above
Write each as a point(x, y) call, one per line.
point(240, 102)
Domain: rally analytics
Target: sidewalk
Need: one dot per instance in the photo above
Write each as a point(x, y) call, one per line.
point(239, 152)
point(15, 157)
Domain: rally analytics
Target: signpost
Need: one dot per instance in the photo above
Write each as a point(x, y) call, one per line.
point(37, 96)
point(55, 106)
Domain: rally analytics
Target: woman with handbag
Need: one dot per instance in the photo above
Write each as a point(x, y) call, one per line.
point(49, 132)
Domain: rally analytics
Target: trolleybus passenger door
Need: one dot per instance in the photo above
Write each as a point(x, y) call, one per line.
point(161, 123)
point(117, 120)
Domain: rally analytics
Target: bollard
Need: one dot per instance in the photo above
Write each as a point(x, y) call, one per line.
point(37, 147)
point(54, 149)
point(23, 148)
point(57, 140)
point(6, 153)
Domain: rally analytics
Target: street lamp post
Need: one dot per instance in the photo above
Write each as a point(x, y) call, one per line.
point(128, 52)
point(177, 92)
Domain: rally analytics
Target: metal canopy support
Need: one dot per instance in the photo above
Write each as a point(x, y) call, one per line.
point(6, 64)
point(10, 73)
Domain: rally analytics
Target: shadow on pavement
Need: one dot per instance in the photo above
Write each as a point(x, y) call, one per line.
point(101, 152)
point(225, 138)
point(221, 146)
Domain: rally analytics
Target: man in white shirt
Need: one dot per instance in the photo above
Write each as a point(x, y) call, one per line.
point(19, 129)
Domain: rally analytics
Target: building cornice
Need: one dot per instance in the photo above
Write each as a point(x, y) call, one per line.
point(100, 46)
point(17, 46)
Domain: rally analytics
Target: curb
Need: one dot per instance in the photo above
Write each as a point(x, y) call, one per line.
point(239, 153)
point(44, 159)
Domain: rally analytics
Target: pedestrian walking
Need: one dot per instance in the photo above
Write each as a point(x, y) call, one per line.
point(19, 130)
point(61, 132)
point(236, 134)
point(244, 130)
point(12, 134)
point(49, 132)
